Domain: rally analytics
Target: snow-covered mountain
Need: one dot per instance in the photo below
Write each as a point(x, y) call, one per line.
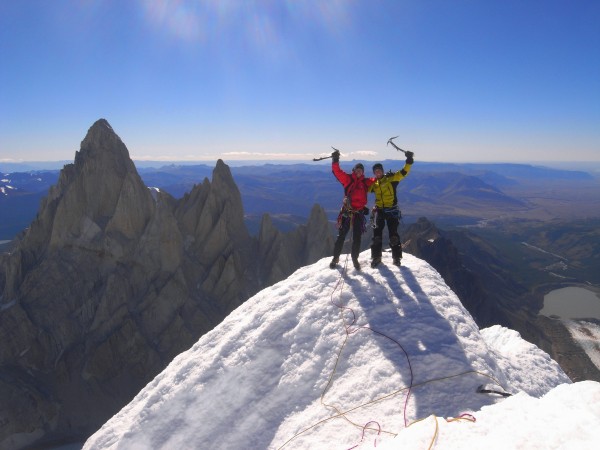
point(341, 359)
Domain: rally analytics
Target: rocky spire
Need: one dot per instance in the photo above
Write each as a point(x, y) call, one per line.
point(103, 193)
point(102, 144)
point(99, 204)
point(109, 284)
point(87, 284)
point(219, 249)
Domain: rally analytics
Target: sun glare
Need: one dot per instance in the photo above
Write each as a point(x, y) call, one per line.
point(257, 23)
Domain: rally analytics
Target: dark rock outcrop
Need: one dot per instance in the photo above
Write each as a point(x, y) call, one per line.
point(112, 280)
point(474, 270)
point(558, 342)
point(284, 252)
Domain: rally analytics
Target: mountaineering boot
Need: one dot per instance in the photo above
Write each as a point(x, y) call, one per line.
point(356, 264)
point(375, 262)
point(396, 261)
point(333, 263)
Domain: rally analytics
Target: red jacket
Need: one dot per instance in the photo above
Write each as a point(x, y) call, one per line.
point(355, 188)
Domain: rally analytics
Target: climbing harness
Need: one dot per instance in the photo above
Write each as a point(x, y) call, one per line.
point(393, 211)
point(345, 211)
point(349, 214)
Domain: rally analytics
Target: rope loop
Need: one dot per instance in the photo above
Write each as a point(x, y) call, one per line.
point(365, 429)
point(350, 328)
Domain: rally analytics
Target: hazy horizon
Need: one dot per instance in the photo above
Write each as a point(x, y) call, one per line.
point(592, 167)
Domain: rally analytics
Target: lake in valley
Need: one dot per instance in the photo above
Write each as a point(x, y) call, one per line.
point(572, 303)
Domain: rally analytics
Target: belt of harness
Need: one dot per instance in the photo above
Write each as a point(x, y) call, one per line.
point(349, 213)
point(393, 211)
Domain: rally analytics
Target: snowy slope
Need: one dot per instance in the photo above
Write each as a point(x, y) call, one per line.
point(587, 335)
point(325, 355)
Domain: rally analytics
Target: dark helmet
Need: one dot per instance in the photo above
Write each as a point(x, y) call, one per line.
point(377, 166)
point(359, 166)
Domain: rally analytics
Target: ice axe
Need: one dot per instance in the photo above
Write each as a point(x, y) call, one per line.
point(325, 157)
point(482, 389)
point(391, 141)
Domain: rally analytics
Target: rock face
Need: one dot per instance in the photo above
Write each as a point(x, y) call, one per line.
point(474, 271)
point(558, 342)
point(283, 252)
point(112, 280)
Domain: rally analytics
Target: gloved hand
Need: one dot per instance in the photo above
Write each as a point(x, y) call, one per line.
point(335, 156)
point(409, 157)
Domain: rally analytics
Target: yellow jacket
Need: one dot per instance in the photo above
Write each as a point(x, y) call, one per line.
point(385, 188)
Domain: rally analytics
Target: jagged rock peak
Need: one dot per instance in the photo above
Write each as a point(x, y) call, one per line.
point(99, 130)
point(102, 123)
point(102, 144)
point(221, 165)
point(222, 173)
point(101, 190)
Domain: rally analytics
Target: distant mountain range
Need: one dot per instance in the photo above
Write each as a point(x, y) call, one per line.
point(452, 193)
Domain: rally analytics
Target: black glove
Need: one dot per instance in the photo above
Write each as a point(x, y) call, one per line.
point(335, 156)
point(409, 157)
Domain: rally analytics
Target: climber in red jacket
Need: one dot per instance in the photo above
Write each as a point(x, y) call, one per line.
point(354, 208)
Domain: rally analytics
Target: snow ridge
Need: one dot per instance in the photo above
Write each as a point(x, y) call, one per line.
point(332, 359)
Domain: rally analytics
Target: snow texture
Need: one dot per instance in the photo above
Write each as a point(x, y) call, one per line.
point(341, 359)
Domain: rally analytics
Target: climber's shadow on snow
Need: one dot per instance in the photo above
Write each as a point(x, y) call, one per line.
point(406, 319)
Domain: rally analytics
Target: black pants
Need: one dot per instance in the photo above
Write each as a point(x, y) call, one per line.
point(392, 221)
point(357, 221)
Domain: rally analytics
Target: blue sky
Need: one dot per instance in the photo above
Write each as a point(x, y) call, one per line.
point(457, 80)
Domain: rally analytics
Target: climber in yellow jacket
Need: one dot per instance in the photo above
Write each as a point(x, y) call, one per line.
point(386, 210)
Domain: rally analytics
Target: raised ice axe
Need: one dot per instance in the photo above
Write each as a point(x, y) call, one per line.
point(325, 157)
point(391, 141)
